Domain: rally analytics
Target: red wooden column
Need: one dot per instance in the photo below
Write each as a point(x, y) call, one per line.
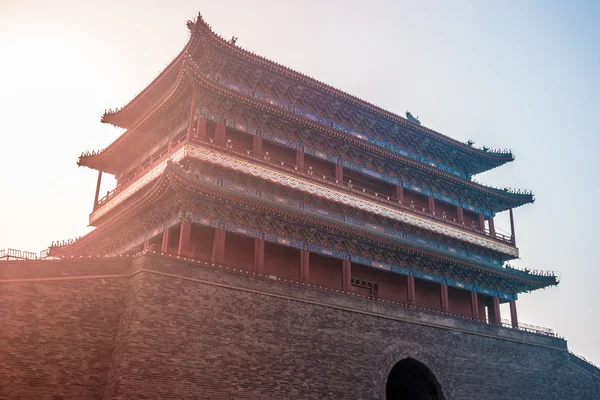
point(496, 305)
point(220, 132)
point(347, 276)
point(444, 296)
point(339, 173)
point(514, 320)
point(474, 305)
point(399, 193)
point(184, 236)
point(259, 255)
point(256, 145)
point(299, 158)
point(482, 222)
point(97, 190)
point(201, 127)
point(431, 205)
point(492, 227)
point(192, 113)
point(461, 216)
point(165, 241)
point(218, 253)
point(304, 265)
point(411, 289)
point(512, 226)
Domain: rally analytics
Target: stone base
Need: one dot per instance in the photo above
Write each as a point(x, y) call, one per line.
point(155, 327)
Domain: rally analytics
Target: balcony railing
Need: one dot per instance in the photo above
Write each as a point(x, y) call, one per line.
point(154, 160)
point(14, 254)
point(308, 173)
point(350, 187)
point(530, 328)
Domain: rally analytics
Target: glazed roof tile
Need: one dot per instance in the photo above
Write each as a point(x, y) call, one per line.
point(200, 30)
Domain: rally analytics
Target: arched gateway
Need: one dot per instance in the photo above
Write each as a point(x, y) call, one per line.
point(410, 379)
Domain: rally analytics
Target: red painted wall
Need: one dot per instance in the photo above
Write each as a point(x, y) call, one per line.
point(239, 251)
point(325, 271)
point(282, 261)
point(319, 167)
point(428, 294)
point(201, 240)
point(279, 153)
point(174, 236)
point(471, 217)
point(419, 199)
point(238, 139)
point(211, 128)
point(156, 240)
point(370, 183)
point(450, 210)
point(459, 301)
point(391, 286)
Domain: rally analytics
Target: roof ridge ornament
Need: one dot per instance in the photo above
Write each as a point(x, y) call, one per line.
point(411, 118)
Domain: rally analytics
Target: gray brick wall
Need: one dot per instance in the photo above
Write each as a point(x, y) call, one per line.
point(57, 334)
point(176, 330)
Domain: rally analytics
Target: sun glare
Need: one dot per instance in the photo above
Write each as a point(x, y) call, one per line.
point(42, 61)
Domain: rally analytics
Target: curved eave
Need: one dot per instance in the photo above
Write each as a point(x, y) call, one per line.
point(126, 116)
point(173, 178)
point(97, 162)
point(131, 208)
point(494, 159)
point(103, 161)
point(489, 164)
point(516, 199)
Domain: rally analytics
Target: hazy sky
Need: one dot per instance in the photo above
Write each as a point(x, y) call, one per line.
point(504, 74)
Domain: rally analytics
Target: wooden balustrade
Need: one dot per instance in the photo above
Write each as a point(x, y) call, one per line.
point(353, 188)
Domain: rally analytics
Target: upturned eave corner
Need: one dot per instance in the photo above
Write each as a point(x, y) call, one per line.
point(122, 117)
point(110, 118)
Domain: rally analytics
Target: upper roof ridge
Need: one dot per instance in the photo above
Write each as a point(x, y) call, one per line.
point(201, 24)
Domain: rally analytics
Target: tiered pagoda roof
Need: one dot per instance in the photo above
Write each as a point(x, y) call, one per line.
point(139, 114)
point(190, 187)
point(473, 160)
point(206, 75)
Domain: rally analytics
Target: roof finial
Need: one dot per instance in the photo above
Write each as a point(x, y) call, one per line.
point(412, 119)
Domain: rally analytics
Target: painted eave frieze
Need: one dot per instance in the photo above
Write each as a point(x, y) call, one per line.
point(286, 179)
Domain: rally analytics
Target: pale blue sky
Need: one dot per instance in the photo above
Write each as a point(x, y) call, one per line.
point(504, 74)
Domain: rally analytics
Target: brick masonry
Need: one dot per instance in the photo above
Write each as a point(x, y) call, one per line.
point(159, 328)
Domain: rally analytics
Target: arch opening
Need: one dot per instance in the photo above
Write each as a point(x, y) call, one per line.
point(410, 379)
